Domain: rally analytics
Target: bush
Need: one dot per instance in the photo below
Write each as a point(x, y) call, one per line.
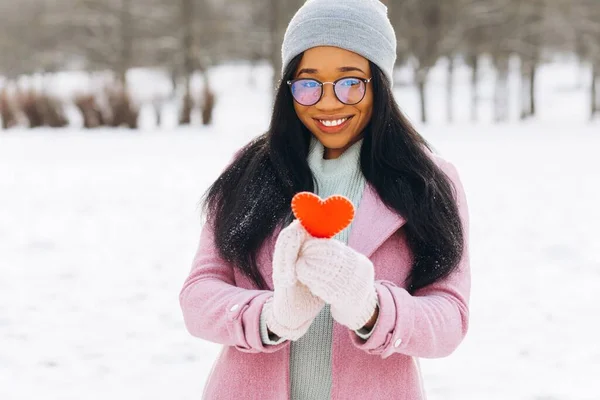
point(122, 109)
point(111, 106)
point(90, 110)
point(185, 116)
point(52, 111)
point(41, 109)
point(8, 111)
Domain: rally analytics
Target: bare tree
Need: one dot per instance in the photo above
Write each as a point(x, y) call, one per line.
point(105, 33)
point(281, 11)
point(29, 42)
point(585, 19)
point(427, 30)
point(503, 35)
point(483, 24)
point(188, 64)
point(532, 30)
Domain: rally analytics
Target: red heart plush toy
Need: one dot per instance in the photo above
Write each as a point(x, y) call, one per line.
point(322, 218)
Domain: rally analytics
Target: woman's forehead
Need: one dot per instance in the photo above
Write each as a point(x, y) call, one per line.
point(327, 59)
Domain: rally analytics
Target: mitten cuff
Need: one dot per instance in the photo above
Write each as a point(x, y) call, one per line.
point(359, 315)
point(264, 332)
point(280, 330)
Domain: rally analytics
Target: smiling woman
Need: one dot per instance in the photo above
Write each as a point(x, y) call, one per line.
point(346, 318)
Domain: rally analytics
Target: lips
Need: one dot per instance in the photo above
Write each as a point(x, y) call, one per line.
point(334, 122)
point(332, 125)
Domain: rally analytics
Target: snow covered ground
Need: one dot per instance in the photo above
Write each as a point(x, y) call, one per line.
point(98, 229)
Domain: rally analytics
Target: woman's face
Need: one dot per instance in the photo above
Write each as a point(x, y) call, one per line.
point(328, 64)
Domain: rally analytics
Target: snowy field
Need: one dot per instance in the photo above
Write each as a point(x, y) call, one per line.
point(98, 229)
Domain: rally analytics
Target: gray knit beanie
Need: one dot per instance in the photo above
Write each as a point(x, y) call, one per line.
point(360, 26)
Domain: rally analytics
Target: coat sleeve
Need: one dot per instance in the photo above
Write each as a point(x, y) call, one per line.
point(433, 321)
point(215, 309)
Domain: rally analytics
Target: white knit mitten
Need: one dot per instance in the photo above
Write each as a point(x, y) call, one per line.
point(294, 307)
point(342, 277)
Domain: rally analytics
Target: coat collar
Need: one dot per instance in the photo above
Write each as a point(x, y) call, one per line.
point(373, 224)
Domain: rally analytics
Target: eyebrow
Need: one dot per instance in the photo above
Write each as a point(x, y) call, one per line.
point(340, 69)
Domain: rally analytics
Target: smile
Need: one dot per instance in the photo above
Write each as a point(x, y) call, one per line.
point(332, 125)
point(335, 122)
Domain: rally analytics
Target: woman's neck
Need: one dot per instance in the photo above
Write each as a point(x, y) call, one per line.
point(332, 154)
point(329, 170)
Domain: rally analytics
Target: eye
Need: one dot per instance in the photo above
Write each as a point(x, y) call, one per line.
point(349, 82)
point(309, 84)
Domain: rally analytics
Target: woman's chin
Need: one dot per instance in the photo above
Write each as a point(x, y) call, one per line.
point(334, 147)
point(334, 141)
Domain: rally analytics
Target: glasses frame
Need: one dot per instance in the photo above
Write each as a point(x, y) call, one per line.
point(321, 84)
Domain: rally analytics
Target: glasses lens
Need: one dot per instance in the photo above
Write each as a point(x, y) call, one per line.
point(350, 90)
point(306, 91)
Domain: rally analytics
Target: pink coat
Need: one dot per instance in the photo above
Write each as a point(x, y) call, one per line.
point(221, 305)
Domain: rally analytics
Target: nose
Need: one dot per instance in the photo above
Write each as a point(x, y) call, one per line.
point(329, 101)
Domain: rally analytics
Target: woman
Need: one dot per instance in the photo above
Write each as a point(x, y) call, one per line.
point(341, 318)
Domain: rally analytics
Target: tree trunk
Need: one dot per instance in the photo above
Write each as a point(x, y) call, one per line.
point(126, 27)
point(501, 93)
point(208, 101)
point(157, 106)
point(187, 41)
point(185, 114)
point(421, 76)
point(580, 51)
point(450, 90)
point(525, 91)
point(474, 63)
point(532, 80)
point(528, 79)
point(595, 101)
point(277, 8)
point(174, 80)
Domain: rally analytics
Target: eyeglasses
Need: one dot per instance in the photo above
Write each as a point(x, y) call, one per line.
point(349, 90)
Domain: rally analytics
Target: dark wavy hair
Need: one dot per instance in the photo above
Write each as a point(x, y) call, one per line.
point(252, 196)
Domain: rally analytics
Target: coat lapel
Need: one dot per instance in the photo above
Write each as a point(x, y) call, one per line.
point(373, 223)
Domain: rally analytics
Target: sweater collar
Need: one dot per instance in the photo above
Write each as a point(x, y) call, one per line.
point(328, 171)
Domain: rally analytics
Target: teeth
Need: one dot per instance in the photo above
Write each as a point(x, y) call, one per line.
point(334, 122)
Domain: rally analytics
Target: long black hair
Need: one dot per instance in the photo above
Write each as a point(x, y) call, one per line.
point(252, 196)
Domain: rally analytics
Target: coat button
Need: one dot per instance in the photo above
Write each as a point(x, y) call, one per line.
point(234, 308)
point(397, 343)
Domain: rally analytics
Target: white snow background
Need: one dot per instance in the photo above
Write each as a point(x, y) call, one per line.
point(98, 229)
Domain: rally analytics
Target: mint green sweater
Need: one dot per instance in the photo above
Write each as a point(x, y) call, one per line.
point(310, 356)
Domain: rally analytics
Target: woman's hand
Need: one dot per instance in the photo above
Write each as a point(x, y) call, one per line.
point(341, 277)
point(293, 307)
